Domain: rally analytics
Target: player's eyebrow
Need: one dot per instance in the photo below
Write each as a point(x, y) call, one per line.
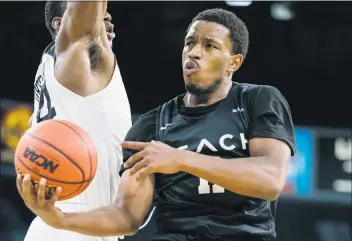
point(209, 39)
point(212, 40)
point(189, 37)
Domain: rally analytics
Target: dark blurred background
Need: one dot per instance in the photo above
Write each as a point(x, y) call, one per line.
point(302, 48)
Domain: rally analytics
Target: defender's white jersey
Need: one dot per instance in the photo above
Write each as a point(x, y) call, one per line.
point(106, 116)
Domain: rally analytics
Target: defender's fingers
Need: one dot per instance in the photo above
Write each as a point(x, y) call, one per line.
point(55, 196)
point(41, 192)
point(27, 193)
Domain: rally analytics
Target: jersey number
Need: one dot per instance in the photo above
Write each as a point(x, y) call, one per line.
point(45, 110)
point(206, 187)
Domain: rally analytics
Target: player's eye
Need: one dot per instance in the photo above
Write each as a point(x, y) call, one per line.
point(211, 46)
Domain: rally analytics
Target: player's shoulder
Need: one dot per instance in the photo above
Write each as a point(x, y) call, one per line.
point(148, 117)
point(165, 110)
point(171, 106)
point(143, 128)
point(252, 91)
point(50, 49)
point(168, 107)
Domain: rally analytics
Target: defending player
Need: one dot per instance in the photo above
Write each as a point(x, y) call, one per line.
point(219, 157)
point(78, 80)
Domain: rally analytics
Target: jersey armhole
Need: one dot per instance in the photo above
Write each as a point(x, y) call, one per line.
point(55, 84)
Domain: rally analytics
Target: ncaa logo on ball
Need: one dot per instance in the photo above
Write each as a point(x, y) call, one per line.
point(40, 160)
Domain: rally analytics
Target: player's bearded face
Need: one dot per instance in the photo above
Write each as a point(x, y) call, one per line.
point(206, 57)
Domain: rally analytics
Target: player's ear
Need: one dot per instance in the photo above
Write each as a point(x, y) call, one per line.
point(56, 23)
point(236, 62)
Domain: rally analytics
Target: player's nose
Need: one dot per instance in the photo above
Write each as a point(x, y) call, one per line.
point(195, 52)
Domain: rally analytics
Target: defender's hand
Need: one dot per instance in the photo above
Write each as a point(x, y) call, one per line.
point(153, 157)
point(37, 203)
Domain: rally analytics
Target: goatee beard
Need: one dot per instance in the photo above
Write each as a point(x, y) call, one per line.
point(196, 90)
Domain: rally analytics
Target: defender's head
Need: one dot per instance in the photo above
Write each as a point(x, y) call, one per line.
point(215, 46)
point(54, 11)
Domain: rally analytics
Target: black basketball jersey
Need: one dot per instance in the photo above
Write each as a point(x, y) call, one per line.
point(188, 206)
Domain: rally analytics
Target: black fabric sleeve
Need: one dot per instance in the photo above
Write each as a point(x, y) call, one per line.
point(270, 117)
point(143, 130)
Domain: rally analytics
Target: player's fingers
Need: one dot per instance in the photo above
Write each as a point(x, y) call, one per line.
point(41, 192)
point(135, 158)
point(135, 145)
point(27, 190)
point(19, 181)
point(138, 166)
point(55, 196)
point(144, 172)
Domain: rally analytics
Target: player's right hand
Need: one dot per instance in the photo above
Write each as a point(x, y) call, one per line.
point(36, 202)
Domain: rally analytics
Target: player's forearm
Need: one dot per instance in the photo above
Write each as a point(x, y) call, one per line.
point(85, 8)
point(86, 16)
point(106, 221)
point(246, 176)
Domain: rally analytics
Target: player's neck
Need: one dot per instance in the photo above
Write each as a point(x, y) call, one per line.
point(191, 100)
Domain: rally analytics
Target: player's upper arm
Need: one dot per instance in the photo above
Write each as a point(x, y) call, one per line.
point(135, 197)
point(83, 20)
point(275, 160)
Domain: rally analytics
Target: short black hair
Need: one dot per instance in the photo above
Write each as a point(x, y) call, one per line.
point(53, 9)
point(238, 31)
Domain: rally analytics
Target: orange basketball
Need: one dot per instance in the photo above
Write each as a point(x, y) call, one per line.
point(59, 151)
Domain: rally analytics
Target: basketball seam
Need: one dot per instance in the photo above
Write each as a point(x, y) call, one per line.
point(85, 145)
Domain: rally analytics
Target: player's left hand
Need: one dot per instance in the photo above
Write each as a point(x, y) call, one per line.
point(153, 157)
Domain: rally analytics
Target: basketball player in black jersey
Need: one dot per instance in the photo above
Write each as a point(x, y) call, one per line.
point(216, 156)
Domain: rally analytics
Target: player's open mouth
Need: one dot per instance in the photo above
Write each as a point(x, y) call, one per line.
point(190, 68)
